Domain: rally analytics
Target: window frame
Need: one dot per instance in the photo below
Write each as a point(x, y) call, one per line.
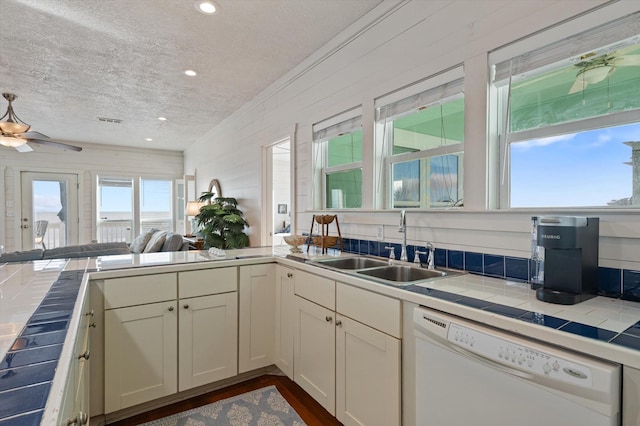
point(439, 89)
point(506, 63)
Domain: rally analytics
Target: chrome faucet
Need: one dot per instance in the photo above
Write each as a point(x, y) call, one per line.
point(403, 230)
point(430, 262)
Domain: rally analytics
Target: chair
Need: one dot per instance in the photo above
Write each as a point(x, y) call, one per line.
point(40, 228)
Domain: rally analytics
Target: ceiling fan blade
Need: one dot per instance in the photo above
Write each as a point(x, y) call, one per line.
point(56, 144)
point(34, 135)
point(578, 85)
point(629, 60)
point(24, 148)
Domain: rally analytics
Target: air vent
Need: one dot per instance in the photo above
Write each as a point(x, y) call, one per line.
point(438, 323)
point(110, 120)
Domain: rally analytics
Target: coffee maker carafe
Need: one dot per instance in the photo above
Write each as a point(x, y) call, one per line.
point(565, 258)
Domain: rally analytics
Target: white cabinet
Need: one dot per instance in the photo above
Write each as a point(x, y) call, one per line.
point(75, 406)
point(315, 352)
point(154, 321)
point(347, 350)
point(257, 317)
point(207, 339)
point(285, 309)
point(367, 375)
point(141, 358)
point(630, 396)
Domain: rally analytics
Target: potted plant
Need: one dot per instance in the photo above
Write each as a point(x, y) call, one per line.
point(221, 223)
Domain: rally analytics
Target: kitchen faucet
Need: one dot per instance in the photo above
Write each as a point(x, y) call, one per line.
point(430, 262)
point(403, 229)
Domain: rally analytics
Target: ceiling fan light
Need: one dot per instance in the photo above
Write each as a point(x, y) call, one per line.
point(206, 7)
point(11, 127)
point(12, 142)
point(597, 74)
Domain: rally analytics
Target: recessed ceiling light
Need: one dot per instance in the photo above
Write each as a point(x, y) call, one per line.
point(190, 73)
point(162, 118)
point(148, 139)
point(207, 7)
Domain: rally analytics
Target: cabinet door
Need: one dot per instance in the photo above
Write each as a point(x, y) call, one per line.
point(208, 339)
point(315, 352)
point(367, 375)
point(284, 319)
point(257, 317)
point(141, 357)
point(630, 396)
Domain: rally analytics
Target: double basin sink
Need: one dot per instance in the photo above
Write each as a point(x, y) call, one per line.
point(383, 271)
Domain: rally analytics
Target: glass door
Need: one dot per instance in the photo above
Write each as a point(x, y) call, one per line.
point(49, 210)
point(115, 209)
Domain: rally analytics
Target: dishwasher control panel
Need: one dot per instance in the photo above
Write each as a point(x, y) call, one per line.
point(519, 357)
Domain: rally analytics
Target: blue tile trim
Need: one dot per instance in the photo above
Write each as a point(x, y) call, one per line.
point(612, 282)
point(27, 370)
point(588, 331)
point(542, 319)
point(627, 340)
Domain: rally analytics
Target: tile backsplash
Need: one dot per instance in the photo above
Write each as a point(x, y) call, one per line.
point(612, 282)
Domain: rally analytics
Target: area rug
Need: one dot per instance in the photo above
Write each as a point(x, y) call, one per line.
point(261, 407)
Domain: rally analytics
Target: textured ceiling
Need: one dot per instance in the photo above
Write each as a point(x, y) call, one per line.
point(73, 61)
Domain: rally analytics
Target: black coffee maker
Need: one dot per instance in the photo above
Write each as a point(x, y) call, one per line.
point(568, 248)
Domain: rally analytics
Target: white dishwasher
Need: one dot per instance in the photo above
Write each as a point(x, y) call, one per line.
point(473, 375)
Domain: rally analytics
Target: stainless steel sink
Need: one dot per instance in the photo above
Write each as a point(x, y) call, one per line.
point(352, 263)
point(381, 271)
point(397, 273)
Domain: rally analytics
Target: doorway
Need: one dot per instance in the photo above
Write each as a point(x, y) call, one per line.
point(49, 211)
point(278, 192)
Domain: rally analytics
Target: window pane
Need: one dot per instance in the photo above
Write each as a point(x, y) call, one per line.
point(429, 182)
point(344, 189)
point(155, 205)
point(345, 149)
point(437, 125)
point(590, 168)
point(115, 209)
point(594, 87)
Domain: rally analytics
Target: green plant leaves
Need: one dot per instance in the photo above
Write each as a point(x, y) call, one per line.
point(222, 223)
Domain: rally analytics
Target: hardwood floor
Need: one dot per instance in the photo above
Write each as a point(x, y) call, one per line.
point(309, 410)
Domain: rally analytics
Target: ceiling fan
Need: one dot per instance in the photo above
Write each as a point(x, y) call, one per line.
point(14, 133)
point(598, 68)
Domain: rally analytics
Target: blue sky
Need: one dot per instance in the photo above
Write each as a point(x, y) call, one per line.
point(584, 169)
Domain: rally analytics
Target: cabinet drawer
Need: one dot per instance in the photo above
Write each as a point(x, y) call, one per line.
point(375, 310)
point(131, 291)
point(316, 289)
point(207, 281)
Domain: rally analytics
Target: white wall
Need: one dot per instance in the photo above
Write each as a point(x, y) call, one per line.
point(397, 44)
point(92, 161)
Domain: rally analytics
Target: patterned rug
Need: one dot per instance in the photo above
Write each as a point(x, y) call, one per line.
point(261, 407)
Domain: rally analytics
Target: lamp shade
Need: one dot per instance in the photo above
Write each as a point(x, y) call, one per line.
point(193, 208)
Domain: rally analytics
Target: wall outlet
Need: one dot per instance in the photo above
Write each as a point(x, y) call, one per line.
point(380, 232)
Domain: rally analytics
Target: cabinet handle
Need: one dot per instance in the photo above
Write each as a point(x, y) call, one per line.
point(186, 306)
point(90, 313)
point(170, 308)
point(339, 323)
point(85, 355)
point(328, 318)
point(93, 324)
point(289, 275)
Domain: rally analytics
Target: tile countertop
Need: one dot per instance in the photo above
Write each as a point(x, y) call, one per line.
point(602, 327)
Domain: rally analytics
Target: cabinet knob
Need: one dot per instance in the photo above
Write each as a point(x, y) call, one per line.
point(85, 355)
point(328, 318)
point(186, 306)
point(93, 324)
point(90, 313)
point(339, 323)
point(170, 308)
point(289, 275)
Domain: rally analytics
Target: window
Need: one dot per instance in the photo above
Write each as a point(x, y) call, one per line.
point(571, 123)
point(338, 161)
point(115, 209)
point(155, 205)
point(122, 215)
point(420, 139)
